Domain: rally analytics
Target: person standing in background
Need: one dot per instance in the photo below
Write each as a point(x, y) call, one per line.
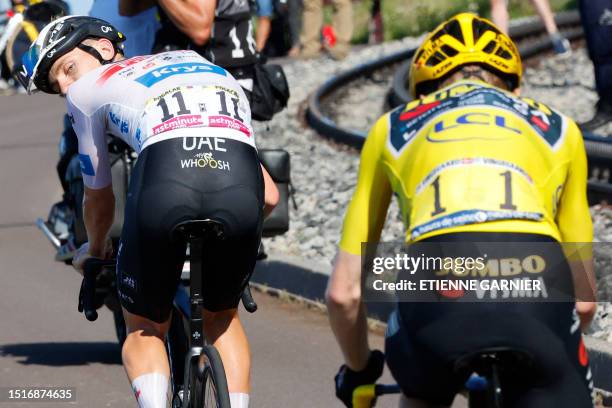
point(311, 28)
point(264, 23)
point(221, 31)
point(139, 29)
point(295, 25)
point(500, 16)
point(79, 7)
point(597, 23)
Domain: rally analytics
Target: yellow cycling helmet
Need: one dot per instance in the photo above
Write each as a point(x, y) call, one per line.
point(462, 40)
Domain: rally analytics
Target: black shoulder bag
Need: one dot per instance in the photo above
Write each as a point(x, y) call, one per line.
point(270, 91)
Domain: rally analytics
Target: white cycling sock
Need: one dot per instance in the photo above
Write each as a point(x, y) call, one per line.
point(151, 390)
point(239, 400)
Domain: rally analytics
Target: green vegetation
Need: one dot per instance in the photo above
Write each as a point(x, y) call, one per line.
point(413, 17)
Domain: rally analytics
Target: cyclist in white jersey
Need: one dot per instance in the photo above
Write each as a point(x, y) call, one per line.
point(190, 122)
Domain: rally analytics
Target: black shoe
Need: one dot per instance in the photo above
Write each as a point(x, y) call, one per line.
point(603, 116)
point(561, 46)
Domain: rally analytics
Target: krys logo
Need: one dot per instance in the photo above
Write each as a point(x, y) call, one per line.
point(202, 160)
point(159, 74)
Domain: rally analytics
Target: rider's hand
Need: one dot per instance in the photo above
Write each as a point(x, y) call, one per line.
point(82, 254)
point(586, 313)
point(347, 380)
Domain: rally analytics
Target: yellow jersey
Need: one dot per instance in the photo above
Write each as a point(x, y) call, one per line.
point(472, 157)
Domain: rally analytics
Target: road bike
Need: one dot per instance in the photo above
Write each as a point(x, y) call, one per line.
point(486, 368)
point(197, 373)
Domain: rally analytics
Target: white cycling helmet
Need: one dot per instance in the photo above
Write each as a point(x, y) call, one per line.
point(58, 38)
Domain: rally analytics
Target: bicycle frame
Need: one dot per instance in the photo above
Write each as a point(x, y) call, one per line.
point(196, 337)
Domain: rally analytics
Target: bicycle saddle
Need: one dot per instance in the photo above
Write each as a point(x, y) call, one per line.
point(207, 229)
point(508, 359)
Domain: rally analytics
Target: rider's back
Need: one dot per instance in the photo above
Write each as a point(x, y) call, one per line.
point(144, 100)
point(472, 157)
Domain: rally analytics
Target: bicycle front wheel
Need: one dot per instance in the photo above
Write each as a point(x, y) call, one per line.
point(211, 389)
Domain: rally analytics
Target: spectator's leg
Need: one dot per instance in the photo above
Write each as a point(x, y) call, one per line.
point(560, 44)
point(597, 23)
point(295, 24)
point(376, 24)
point(499, 14)
point(546, 14)
point(343, 24)
point(311, 28)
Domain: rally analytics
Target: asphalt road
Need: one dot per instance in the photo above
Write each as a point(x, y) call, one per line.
point(45, 342)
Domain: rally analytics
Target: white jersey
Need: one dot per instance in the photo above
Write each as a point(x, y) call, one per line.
point(144, 100)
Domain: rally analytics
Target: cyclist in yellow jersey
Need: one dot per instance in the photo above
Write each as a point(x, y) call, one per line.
point(469, 160)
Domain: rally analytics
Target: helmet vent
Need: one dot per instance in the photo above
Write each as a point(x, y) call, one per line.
point(479, 27)
point(490, 47)
point(449, 51)
point(454, 29)
point(435, 59)
point(503, 54)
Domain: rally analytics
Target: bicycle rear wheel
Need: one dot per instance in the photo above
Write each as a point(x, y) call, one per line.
point(210, 390)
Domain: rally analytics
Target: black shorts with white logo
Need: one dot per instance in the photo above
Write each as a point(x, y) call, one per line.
point(424, 340)
point(177, 180)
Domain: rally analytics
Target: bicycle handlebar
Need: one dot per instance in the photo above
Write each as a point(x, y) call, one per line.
point(248, 301)
point(91, 269)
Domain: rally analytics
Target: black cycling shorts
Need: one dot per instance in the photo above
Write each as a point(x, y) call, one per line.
point(178, 180)
point(424, 340)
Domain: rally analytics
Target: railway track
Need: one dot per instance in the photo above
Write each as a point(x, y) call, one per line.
point(532, 43)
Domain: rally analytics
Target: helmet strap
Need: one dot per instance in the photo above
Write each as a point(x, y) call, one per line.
point(93, 52)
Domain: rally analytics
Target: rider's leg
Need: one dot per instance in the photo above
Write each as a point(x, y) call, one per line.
point(145, 360)
point(224, 330)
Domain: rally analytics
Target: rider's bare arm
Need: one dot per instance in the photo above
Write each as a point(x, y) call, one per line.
point(193, 17)
point(585, 284)
point(98, 214)
point(347, 315)
point(133, 7)
point(271, 192)
point(576, 226)
point(363, 223)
